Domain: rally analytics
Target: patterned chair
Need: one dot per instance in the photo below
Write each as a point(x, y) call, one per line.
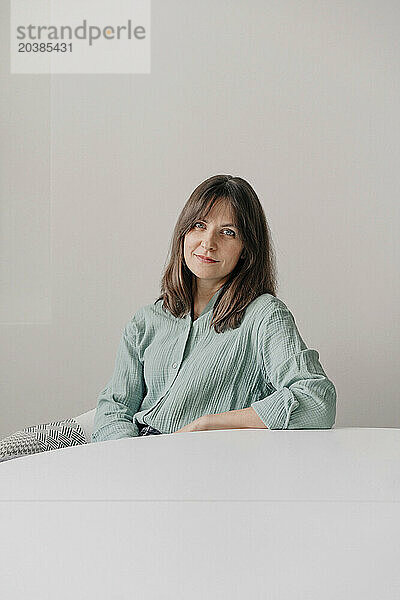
point(48, 436)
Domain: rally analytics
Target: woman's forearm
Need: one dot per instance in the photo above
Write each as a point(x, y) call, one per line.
point(233, 419)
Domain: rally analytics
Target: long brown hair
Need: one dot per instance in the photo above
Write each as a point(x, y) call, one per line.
point(255, 272)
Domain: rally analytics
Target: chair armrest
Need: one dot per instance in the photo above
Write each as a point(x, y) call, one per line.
point(86, 421)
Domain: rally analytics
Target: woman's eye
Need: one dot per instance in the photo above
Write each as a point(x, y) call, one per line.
point(228, 232)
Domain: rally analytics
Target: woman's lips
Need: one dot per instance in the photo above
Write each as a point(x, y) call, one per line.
point(205, 260)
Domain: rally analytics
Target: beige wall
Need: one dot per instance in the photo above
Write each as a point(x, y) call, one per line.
point(299, 98)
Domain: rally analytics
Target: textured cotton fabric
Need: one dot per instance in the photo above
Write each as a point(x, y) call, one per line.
point(169, 371)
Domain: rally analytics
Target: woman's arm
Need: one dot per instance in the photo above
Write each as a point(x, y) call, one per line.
point(244, 418)
point(304, 398)
point(121, 398)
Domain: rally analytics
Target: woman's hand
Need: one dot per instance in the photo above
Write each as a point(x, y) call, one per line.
point(199, 424)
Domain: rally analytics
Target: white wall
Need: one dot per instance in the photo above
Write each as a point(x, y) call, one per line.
point(299, 98)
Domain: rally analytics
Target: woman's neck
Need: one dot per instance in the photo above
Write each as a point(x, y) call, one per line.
point(201, 297)
point(203, 294)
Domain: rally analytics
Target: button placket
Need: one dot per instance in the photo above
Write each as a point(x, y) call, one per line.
point(175, 366)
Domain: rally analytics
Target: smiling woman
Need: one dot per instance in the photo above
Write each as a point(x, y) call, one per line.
point(223, 220)
point(217, 349)
point(212, 249)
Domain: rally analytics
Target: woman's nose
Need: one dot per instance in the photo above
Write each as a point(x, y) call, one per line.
point(208, 240)
point(207, 243)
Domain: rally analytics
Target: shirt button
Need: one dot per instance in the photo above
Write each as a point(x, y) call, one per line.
point(174, 365)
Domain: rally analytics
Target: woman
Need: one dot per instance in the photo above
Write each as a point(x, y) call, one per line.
point(218, 349)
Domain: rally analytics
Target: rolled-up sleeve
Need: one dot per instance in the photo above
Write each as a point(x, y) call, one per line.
point(121, 398)
point(304, 397)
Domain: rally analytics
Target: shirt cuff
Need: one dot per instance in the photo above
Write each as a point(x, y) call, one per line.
point(275, 410)
point(115, 431)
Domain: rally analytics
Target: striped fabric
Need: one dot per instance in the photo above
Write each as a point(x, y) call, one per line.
point(169, 371)
point(42, 438)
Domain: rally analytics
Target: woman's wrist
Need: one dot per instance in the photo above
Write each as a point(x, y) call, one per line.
point(233, 419)
point(203, 422)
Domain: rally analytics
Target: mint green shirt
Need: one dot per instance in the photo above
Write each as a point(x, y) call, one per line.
point(169, 371)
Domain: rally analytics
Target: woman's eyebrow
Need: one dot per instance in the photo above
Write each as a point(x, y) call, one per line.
point(225, 225)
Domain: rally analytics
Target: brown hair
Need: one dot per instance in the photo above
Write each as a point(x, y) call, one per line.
point(254, 274)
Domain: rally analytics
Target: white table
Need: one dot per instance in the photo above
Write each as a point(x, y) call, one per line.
point(216, 514)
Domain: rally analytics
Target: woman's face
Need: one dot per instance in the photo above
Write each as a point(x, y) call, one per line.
point(215, 238)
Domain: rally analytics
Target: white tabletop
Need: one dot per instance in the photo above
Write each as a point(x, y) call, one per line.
point(219, 514)
point(349, 464)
